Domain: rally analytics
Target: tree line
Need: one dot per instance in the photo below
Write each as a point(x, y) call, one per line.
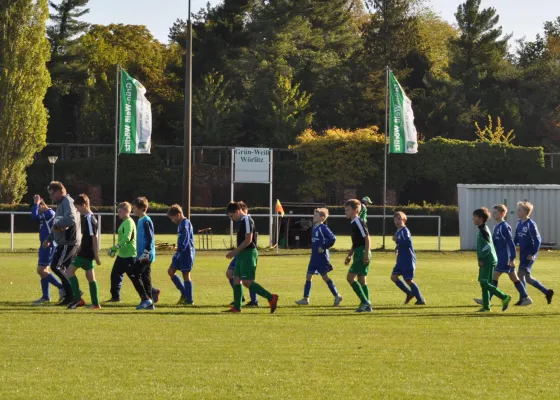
point(265, 71)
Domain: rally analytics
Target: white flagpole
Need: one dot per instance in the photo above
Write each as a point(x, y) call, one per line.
point(277, 233)
point(117, 89)
point(385, 154)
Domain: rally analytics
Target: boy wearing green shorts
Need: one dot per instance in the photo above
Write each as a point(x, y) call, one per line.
point(88, 253)
point(361, 253)
point(246, 261)
point(487, 261)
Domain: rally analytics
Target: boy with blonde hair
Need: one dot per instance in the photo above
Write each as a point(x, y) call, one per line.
point(528, 239)
point(322, 239)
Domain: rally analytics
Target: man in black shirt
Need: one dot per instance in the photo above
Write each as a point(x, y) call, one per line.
point(246, 262)
point(89, 251)
point(361, 253)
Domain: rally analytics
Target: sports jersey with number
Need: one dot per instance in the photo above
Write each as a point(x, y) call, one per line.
point(145, 240)
point(528, 238)
point(246, 225)
point(406, 253)
point(321, 238)
point(503, 243)
point(359, 232)
point(89, 230)
point(46, 220)
point(185, 238)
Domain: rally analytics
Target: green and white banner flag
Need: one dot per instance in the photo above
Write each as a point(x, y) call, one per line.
point(136, 117)
point(403, 138)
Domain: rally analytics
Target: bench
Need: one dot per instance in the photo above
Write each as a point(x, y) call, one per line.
point(547, 245)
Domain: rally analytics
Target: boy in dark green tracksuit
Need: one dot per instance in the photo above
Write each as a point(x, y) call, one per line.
point(487, 261)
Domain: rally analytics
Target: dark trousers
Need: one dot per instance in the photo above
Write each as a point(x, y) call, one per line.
point(142, 279)
point(120, 267)
point(62, 258)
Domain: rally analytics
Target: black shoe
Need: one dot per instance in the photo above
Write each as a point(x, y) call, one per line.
point(549, 294)
point(252, 304)
point(420, 303)
point(112, 301)
point(65, 301)
point(518, 303)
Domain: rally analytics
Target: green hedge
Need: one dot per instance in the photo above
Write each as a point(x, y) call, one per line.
point(449, 223)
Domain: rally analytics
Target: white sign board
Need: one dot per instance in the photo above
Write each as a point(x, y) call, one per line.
point(252, 165)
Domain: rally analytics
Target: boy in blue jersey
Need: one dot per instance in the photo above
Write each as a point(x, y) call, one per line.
point(505, 250)
point(183, 259)
point(322, 239)
point(406, 261)
point(141, 275)
point(45, 215)
point(528, 239)
point(229, 273)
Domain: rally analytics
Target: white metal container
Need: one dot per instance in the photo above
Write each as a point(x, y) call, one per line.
point(545, 198)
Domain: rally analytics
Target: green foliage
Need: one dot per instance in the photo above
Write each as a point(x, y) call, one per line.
point(24, 79)
point(494, 135)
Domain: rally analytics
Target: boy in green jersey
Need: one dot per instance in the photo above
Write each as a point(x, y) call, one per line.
point(126, 247)
point(487, 261)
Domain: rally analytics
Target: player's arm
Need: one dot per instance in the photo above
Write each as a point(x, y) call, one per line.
point(148, 227)
point(92, 230)
point(186, 237)
point(329, 237)
point(126, 237)
point(35, 212)
point(69, 216)
point(536, 238)
point(367, 247)
point(507, 234)
point(404, 240)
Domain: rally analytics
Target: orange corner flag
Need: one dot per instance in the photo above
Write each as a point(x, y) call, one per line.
point(279, 208)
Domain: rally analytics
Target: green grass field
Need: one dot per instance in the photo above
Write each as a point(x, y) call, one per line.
point(30, 241)
point(441, 351)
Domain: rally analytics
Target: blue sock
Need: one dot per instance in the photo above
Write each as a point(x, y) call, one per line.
point(416, 292)
point(45, 289)
point(54, 281)
point(521, 289)
point(188, 291)
point(307, 289)
point(539, 286)
point(400, 284)
point(231, 282)
point(495, 283)
point(332, 288)
point(178, 284)
point(254, 297)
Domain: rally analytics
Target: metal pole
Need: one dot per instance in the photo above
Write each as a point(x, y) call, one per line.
point(12, 223)
point(439, 233)
point(232, 180)
point(117, 89)
point(99, 231)
point(52, 180)
point(270, 220)
point(187, 143)
point(385, 155)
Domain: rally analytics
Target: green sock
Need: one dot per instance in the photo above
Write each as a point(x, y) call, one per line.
point(258, 289)
point(365, 289)
point(496, 292)
point(359, 291)
point(94, 292)
point(75, 287)
point(237, 296)
point(485, 296)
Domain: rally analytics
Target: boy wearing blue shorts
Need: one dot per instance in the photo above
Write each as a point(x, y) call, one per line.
point(229, 272)
point(359, 255)
point(529, 240)
point(505, 250)
point(322, 239)
point(183, 259)
point(45, 216)
point(406, 261)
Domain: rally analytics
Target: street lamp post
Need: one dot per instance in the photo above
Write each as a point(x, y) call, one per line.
point(52, 160)
point(187, 146)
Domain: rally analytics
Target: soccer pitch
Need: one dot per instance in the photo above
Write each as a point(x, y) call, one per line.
point(440, 351)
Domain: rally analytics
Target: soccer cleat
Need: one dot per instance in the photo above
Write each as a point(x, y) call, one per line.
point(252, 304)
point(505, 302)
point(76, 304)
point(182, 300)
point(189, 304)
point(273, 303)
point(94, 306)
point(65, 301)
point(408, 298)
point(479, 302)
point(151, 307)
point(484, 310)
point(232, 310)
point(549, 294)
point(155, 295)
point(519, 302)
point(144, 304)
point(303, 302)
point(112, 300)
point(365, 307)
point(525, 301)
point(41, 301)
point(337, 301)
point(61, 294)
point(420, 303)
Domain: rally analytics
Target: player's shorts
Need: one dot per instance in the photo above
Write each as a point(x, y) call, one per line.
point(358, 267)
point(246, 264)
point(486, 272)
point(182, 262)
point(526, 265)
point(45, 256)
point(406, 270)
point(232, 263)
point(504, 268)
point(319, 269)
point(62, 257)
point(84, 263)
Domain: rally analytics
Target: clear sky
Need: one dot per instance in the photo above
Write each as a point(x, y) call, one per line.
point(520, 17)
